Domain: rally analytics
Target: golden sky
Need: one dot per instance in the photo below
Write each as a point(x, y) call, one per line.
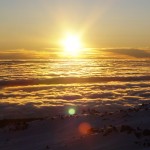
point(39, 25)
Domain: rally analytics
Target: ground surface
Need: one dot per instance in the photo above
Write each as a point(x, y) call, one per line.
point(91, 130)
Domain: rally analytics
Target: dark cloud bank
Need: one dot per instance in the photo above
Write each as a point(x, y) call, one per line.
point(137, 53)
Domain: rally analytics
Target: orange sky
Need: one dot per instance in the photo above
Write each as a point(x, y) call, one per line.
point(38, 26)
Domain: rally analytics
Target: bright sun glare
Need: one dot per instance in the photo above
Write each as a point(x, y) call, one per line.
point(72, 45)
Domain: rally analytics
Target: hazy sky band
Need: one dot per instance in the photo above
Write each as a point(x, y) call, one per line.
point(38, 24)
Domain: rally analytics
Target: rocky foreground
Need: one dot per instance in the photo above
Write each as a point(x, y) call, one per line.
point(91, 130)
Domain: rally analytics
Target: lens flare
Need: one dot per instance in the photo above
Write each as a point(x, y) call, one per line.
point(71, 111)
point(84, 128)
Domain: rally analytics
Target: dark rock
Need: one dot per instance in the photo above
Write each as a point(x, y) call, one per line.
point(146, 132)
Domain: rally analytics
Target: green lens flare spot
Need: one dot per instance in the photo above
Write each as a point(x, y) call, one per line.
point(71, 111)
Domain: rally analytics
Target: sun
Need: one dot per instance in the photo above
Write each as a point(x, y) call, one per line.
point(72, 45)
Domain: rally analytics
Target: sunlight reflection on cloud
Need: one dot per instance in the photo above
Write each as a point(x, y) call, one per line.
point(44, 94)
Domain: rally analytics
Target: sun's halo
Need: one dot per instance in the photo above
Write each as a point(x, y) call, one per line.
point(72, 45)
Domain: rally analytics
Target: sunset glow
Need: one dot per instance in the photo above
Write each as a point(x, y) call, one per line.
point(72, 45)
point(75, 74)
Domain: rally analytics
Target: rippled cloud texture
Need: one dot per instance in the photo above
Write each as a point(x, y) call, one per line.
point(48, 100)
point(36, 88)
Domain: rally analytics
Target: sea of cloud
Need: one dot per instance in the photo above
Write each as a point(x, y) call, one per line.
point(50, 100)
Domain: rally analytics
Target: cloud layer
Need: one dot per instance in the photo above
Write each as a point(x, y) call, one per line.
point(44, 88)
point(50, 100)
point(88, 53)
